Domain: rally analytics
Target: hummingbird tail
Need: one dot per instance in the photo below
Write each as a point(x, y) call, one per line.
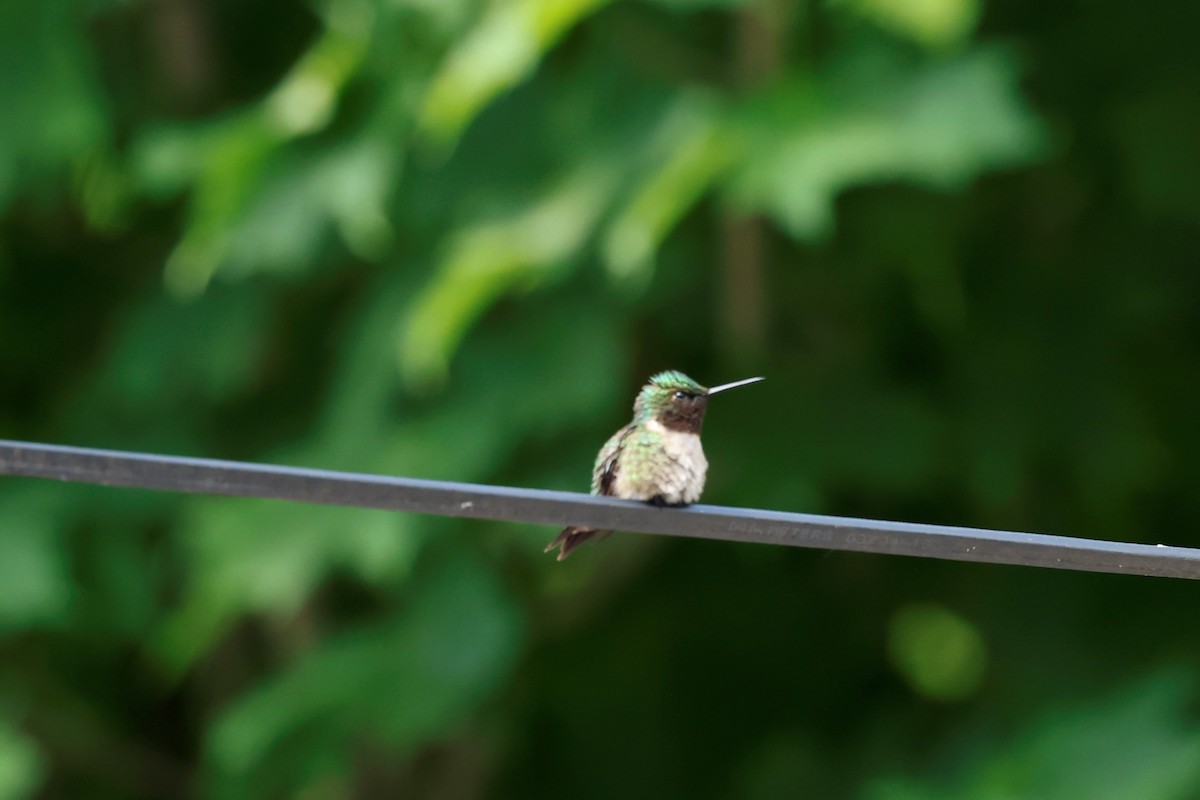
point(570, 538)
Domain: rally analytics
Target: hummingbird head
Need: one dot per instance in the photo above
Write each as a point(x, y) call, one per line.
point(676, 401)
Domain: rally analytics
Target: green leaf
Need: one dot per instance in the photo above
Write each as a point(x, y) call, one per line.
point(939, 653)
point(933, 23)
point(232, 156)
point(876, 120)
point(53, 110)
point(492, 258)
point(1140, 743)
point(256, 556)
point(172, 350)
point(304, 199)
point(500, 52)
point(401, 682)
point(700, 5)
point(34, 571)
point(245, 192)
point(20, 764)
point(693, 150)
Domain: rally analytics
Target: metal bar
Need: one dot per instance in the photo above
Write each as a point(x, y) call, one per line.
point(205, 476)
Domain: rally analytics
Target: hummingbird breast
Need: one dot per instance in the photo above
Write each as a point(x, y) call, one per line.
point(657, 462)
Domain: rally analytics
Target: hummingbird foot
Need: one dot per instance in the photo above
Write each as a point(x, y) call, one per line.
point(659, 501)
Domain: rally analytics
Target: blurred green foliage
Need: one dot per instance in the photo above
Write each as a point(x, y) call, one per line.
point(449, 239)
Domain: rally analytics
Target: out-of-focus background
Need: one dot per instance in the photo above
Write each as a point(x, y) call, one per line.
point(450, 239)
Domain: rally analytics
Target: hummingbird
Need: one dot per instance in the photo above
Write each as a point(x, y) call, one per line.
point(656, 458)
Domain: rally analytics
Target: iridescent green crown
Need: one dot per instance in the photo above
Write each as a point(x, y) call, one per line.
point(674, 380)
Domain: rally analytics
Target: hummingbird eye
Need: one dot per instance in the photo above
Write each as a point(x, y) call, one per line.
point(681, 395)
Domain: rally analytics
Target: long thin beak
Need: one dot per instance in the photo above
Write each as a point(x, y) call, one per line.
point(733, 385)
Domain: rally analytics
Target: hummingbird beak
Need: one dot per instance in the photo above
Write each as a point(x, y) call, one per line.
point(733, 385)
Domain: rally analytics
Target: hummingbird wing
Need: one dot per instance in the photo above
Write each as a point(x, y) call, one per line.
point(604, 478)
point(604, 474)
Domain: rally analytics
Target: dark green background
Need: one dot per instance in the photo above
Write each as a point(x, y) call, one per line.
point(450, 239)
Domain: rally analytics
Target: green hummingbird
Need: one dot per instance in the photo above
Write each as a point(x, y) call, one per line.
point(657, 458)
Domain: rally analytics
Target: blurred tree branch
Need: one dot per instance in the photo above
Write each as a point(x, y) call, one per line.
point(758, 55)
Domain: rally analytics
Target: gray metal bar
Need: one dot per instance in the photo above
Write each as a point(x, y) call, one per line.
point(205, 476)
